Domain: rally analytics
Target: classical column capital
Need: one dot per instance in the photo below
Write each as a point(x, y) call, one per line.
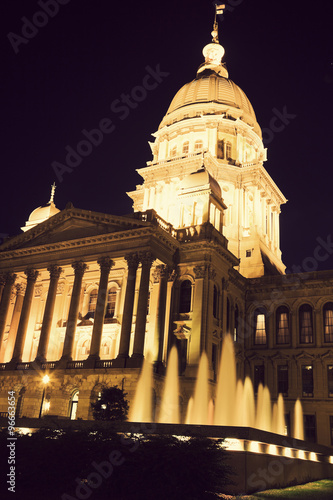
point(132, 261)
point(105, 263)
point(79, 268)
point(55, 271)
point(20, 288)
point(10, 278)
point(31, 274)
point(161, 271)
point(146, 258)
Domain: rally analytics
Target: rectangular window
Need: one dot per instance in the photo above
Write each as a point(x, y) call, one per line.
point(328, 326)
point(282, 333)
point(287, 422)
point(260, 332)
point(330, 380)
point(310, 433)
point(259, 377)
point(307, 381)
point(214, 361)
point(283, 382)
point(248, 253)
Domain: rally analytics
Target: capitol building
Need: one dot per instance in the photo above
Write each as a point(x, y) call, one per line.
point(85, 296)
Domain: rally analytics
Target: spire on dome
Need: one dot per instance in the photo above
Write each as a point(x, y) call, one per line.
point(214, 52)
point(53, 188)
point(215, 33)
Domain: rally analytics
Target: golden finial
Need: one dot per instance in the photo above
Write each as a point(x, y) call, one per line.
point(53, 188)
point(215, 33)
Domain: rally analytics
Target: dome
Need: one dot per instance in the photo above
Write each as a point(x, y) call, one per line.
point(219, 93)
point(199, 180)
point(42, 213)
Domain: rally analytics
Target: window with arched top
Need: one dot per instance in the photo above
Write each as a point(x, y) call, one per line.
point(186, 148)
point(228, 315)
point(305, 324)
point(260, 326)
point(282, 325)
point(92, 302)
point(228, 151)
point(173, 152)
point(111, 303)
point(236, 324)
point(220, 150)
point(215, 302)
point(198, 146)
point(73, 405)
point(185, 296)
point(328, 321)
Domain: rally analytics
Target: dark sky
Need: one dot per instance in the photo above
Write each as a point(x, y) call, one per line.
point(70, 72)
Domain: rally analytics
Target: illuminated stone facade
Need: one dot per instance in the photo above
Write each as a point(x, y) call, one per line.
point(86, 296)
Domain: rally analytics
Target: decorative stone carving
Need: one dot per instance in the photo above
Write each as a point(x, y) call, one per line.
point(200, 272)
point(55, 271)
point(132, 261)
point(38, 290)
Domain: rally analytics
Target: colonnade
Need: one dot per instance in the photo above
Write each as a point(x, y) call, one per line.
point(23, 303)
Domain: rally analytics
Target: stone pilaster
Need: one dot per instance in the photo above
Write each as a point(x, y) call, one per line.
point(44, 339)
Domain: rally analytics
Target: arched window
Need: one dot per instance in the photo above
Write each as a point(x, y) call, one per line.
point(111, 304)
point(185, 296)
point(198, 146)
point(282, 325)
point(186, 148)
point(236, 324)
point(220, 150)
point(215, 303)
point(228, 315)
point(73, 405)
point(260, 328)
point(305, 324)
point(173, 152)
point(19, 403)
point(328, 322)
point(92, 303)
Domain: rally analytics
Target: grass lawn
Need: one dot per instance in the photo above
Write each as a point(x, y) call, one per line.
point(318, 490)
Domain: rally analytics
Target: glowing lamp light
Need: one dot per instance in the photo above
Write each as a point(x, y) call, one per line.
point(287, 452)
point(272, 450)
point(301, 454)
point(254, 447)
point(233, 444)
point(313, 456)
point(46, 379)
point(331, 459)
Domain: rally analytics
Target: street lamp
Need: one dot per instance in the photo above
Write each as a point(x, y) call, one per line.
point(46, 380)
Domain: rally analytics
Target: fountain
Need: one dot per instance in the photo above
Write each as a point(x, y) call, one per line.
point(235, 402)
point(253, 429)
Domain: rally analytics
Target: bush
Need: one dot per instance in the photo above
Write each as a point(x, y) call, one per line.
point(112, 404)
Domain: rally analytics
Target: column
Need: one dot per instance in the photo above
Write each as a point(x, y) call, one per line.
point(141, 317)
point(79, 270)
point(126, 325)
point(44, 338)
point(163, 272)
point(19, 292)
point(32, 276)
point(5, 301)
point(105, 264)
point(2, 284)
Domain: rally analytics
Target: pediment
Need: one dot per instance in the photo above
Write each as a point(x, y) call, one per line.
point(71, 224)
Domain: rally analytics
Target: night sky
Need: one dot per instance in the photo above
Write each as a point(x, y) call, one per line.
point(71, 71)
